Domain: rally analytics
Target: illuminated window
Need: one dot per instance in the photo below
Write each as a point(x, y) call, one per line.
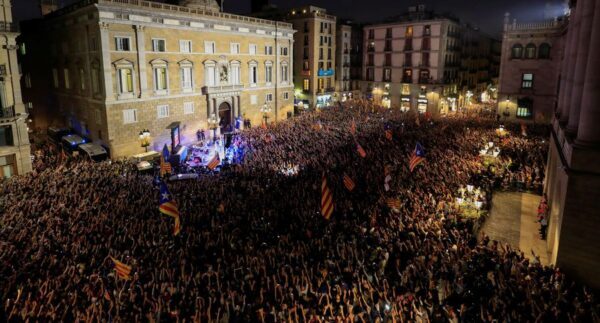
point(306, 84)
point(530, 51)
point(524, 108)
point(527, 81)
point(517, 51)
point(409, 31)
point(405, 89)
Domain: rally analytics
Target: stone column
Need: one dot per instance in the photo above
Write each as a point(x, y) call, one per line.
point(589, 121)
point(571, 60)
point(106, 63)
point(562, 98)
point(585, 31)
point(141, 55)
point(239, 106)
point(210, 107)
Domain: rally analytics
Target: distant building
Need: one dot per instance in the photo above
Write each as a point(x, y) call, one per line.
point(342, 54)
point(405, 61)
point(314, 56)
point(530, 69)
point(112, 68)
point(15, 152)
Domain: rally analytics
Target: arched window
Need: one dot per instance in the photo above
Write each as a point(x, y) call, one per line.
point(268, 72)
point(530, 51)
point(544, 51)
point(284, 72)
point(517, 51)
point(253, 72)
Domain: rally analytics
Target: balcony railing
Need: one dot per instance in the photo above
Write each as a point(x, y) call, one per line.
point(408, 48)
point(8, 112)
point(407, 80)
point(423, 80)
point(9, 27)
point(222, 88)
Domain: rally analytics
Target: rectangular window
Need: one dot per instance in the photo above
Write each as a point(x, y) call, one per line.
point(160, 78)
point(129, 116)
point(185, 46)
point(55, 78)
point(126, 80)
point(527, 81)
point(209, 47)
point(95, 81)
point(253, 99)
point(82, 79)
point(122, 44)
point(286, 95)
point(268, 74)
point(306, 85)
point(268, 50)
point(188, 107)
point(284, 51)
point(235, 48)
point(387, 74)
point(284, 73)
point(210, 76)
point(162, 111)
point(252, 49)
point(253, 75)
point(6, 136)
point(67, 81)
point(186, 78)
point(405, 89)
point(409, 32)
point(269, 97)
point(158, 45)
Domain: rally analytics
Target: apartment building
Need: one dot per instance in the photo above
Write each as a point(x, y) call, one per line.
point(314, 56)
point(405, 62)
point(530, 69)
point(342, 54)
point(113, 68)
point(15, 152)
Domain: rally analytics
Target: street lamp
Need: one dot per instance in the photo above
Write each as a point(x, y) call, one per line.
point(265, 109)
point(145, 138)
point(213, 123)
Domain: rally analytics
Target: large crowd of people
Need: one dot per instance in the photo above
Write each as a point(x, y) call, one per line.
point(254, 246)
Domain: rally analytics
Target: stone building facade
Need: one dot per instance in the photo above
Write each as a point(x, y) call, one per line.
point(342, 53)
point(573, 169)
point(15, 151)
point(314, 56)
point(117, 67)
point(530, 69)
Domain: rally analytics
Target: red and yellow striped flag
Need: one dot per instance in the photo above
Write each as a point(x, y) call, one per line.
point(388, 134)
point(353, 127)
point(361, 151)
point(349, 183)
point(214, 162)
point(394, 203)
point(326, 199)
point(123, 270)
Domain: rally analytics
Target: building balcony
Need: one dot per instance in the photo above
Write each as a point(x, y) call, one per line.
point(8, 112)
point(407, 64)
point(386, 79)
point(370, 49)
point(407, 80)
point(9, 27)
point(222, 88)
point(305, 73)
point(408, 48)
point(424, 80)
point(388, 48)
point(424, 65)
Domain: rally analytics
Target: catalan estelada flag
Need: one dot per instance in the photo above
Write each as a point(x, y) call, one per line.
point(168, 207)
point(349, 183)
point(214, 162)
point(417, 157)
point(360, 150)
point(123, 270)
point(394, 203)
point(165, 165)
point(326, 199)
point(388, 132)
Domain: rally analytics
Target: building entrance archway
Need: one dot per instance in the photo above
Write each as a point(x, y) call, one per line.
point(225, 117)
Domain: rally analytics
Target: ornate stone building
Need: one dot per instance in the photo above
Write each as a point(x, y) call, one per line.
point(530, 69)
point(117, 67)
point(573, 170)
point(15, 151)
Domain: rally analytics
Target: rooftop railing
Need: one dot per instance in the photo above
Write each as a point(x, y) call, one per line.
point(207, 11)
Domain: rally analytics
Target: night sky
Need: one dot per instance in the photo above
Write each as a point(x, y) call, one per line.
point(487, 14)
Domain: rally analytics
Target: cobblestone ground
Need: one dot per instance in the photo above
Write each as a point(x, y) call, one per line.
point(513, 220)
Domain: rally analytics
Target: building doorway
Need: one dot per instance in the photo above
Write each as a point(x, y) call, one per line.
point(225, 117)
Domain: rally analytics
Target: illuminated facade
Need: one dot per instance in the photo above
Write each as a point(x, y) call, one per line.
point(530, 69)
point(342, 54)
point(314, 56)
point(116, 67)
point(15, 151)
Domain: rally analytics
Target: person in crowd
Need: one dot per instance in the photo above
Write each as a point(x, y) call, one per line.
point(254, 246)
